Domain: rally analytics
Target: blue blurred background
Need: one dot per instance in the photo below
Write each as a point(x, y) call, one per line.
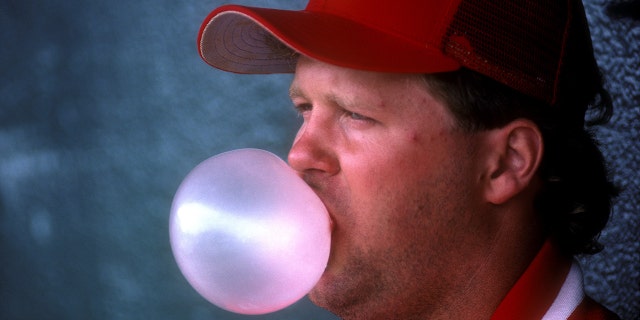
point(105, 106)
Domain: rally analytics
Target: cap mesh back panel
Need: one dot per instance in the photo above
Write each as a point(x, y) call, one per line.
point(518, 43)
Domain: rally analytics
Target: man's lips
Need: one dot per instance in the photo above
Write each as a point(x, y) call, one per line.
point(331, 222)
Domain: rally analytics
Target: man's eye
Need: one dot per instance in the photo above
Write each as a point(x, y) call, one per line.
point(357, 116)
point(303, 108)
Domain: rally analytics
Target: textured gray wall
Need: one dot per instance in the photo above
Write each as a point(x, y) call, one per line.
point(104, 108)
point(613, 276)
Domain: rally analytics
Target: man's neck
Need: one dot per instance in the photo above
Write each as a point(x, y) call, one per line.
point(503, 263)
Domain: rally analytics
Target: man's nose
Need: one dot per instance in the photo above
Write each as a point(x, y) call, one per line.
point(314, 149)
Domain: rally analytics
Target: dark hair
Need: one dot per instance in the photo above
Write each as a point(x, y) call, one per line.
point(574, 202)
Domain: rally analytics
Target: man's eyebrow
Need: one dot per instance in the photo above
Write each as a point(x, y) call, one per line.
point(295, 92)
point(343, 102)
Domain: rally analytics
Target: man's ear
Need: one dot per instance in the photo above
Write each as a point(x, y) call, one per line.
point(515, 153)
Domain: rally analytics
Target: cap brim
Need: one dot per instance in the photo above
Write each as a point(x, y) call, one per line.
point(259, 40)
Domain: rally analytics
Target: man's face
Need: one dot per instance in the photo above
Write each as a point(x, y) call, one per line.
point(399, 181)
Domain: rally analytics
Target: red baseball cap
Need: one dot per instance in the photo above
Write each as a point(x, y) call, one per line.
point(522, 44)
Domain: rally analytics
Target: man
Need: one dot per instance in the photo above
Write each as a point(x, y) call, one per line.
point(447, 140)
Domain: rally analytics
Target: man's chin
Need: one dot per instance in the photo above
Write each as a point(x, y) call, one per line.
point(331, 295)
point(320, 294)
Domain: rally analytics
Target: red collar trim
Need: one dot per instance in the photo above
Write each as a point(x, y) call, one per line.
point(537, 288)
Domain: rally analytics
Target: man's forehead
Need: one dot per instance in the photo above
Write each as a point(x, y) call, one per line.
point(349, 88)
point(362, 78)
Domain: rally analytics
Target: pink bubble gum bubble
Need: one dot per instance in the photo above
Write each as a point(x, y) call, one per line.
point(249, 234)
